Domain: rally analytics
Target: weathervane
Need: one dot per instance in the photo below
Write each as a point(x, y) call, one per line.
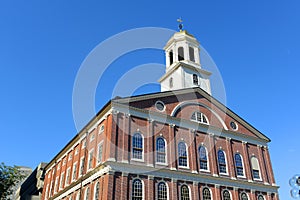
point(180, 23)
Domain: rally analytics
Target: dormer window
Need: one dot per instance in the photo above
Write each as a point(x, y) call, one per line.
point(195, 79)
point(192, 54)
point(180, 54)
point(199, 117)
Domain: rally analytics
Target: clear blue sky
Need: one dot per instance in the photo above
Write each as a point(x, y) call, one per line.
point(255, 45)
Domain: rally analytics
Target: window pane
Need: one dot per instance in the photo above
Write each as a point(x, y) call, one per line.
point(238, 164)
point(206, 194)
point(185, 195)
point(244, 196)
point(192, 55)
point(180, 54)
point(137, 146)
point(162, 191)
point(182, 154)
point(97, 192)
point(137, 190)
point(221, 161)
point(160, 150)
point(226, 195)
point(202, 158)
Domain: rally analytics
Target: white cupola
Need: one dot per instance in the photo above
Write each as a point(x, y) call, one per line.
point(183, 66)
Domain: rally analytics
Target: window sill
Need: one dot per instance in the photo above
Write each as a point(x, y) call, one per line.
point(204, 170)
point(160, 163)
point(137, 160)
point(183, 167)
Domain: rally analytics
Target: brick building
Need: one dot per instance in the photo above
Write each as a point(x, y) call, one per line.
point(180, 143)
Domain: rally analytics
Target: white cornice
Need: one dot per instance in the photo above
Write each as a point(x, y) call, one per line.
point(162, 118)
point(187, 176)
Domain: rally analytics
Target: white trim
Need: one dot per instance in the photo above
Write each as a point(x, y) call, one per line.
point(227, 173)
point(227, 191)
point(81, 162)
point(206, 187)
point(68, 176)
point(98, 146)
point(74, 168)
point(143, 143)
point(143, 187)
point(238, 176)
point(187, 156)
point(87, 189)
point(240, 195)
point(207, 159)
point(184, 184)
point(90, 158)
point(186, 103)
point(259, 170)
point(166, 153)
point(97, 183)
point(188, 124)
point(155, 105)
point(167, 186)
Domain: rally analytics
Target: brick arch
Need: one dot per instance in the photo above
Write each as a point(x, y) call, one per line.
point(182, 105)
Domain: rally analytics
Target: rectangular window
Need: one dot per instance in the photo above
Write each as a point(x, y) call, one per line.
point(90, 161)
point(55, 184)
point(68, 176)
point(62, 179)
point(100, 150)
point(81, 166)
point(74, 171)
point(256, 174)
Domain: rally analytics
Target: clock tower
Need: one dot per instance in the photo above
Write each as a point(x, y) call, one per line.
point(183, 67)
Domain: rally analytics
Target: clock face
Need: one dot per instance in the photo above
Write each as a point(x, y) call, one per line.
point(233, 125)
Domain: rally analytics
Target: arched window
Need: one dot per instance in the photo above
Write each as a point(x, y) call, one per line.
point(137, 190)
point(255, 168)
point(160, 150)
point(239, 164)
point(182, 154)
point(137, 146)
point(192, 55)
point(171, 82)
point(97, 190)
point(206, 194)
point(226, 195)
point(195, 79)
point(180, 54)
point(87, 193)
point(222, 162)
point(184, 192)
point(260, 197)
point(162, 193)
point(244, 196)
point(199, 117)
point(202, 158)
point(171, 57)
point(70, 198)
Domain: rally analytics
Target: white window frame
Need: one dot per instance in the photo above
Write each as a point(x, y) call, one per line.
point(211, 194)
point(143, 143)
point(90, 160)
point(68, 176)
point(101, 129)
point(208, 168)
point(168, 194)
point(244, 176)
point(166, 154)
point(81, 164)
point(100, 144)
point(143, 188)
point(226, 163)
point(259, 170)
point(190, 195)
point(62, 179)
point(74, 169)
point(187, 156)
point(228, 192)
